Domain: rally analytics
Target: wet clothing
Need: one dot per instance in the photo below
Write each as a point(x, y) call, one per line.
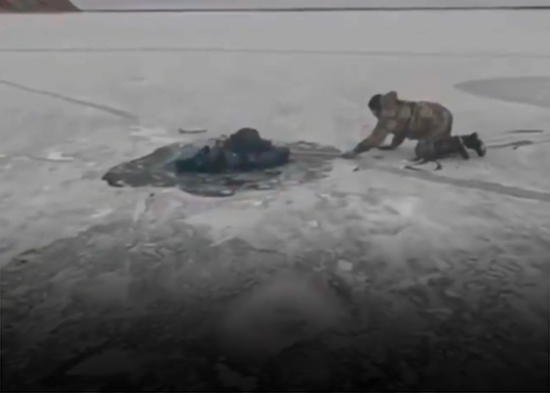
point(415, 120)
point(243, 151)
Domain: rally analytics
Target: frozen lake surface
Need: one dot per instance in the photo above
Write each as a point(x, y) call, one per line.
point(459, 257)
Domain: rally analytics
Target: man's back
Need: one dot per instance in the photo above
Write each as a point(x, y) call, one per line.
point(417, 120)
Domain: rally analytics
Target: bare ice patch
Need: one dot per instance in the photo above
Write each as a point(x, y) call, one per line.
point(154, 134)
point(57, 156)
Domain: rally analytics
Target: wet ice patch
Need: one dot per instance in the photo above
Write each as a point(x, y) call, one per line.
point(308, 162)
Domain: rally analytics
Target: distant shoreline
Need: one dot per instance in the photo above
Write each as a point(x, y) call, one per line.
point(324, 9)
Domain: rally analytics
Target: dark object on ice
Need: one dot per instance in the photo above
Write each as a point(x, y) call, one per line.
point(243, 151)
point(309, 162)
point(514, 145)
point(525, 132)
point(248, 140)
point(193, 131)
point(473, 142)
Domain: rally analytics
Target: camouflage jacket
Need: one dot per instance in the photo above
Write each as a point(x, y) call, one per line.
point(408, 120)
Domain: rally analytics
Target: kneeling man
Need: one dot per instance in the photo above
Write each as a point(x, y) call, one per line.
point(424, 121)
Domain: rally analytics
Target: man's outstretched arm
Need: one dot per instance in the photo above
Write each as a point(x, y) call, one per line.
point(377, 136)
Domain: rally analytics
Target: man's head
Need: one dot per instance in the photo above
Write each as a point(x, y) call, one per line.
point(473, 142)
point(375, 105)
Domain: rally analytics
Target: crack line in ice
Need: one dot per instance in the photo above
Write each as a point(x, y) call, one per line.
point(99, 107)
